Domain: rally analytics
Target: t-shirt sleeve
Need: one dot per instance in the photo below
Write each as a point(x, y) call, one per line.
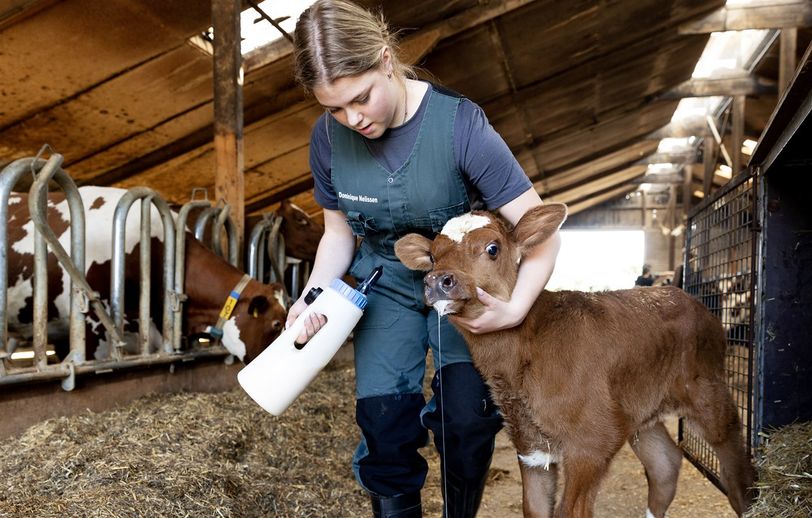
point(320, 165)
point(484, 157)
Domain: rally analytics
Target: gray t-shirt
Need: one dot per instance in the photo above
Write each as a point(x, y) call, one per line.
point(491, 173)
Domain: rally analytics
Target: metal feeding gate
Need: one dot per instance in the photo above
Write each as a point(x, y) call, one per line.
point(720, 265)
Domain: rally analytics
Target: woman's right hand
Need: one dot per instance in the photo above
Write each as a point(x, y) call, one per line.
point(314, 322)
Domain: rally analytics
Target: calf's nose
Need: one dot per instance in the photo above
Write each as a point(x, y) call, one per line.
point(442, 282)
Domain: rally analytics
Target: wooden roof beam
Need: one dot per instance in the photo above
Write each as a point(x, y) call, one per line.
point(599, 184)
point(783, 16)
point(591, 201)
point(415, 46)
point(732, 86)
point(610, 161)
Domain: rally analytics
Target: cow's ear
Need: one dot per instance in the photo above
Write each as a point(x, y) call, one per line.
point(414, 251)
point(538, 224)
point(258, 306)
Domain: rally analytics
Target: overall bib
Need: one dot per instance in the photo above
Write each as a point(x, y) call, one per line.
point(392, 339)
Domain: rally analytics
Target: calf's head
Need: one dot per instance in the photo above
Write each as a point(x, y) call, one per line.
point(256, 322)
point(476, 250)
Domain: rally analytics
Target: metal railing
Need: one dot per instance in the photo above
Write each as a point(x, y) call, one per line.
point(82, 297)
point(719, 265)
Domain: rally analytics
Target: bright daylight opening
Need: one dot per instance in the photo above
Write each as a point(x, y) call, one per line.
point(255, 30)
point(595, 260)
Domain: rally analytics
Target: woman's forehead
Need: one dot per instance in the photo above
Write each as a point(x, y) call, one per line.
point(344, 90)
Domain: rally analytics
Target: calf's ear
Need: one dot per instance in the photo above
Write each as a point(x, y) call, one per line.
point(258, 306)
point(538, 224)
point(414, 251)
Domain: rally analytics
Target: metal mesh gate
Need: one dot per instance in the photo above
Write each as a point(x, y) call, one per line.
point(719, 271)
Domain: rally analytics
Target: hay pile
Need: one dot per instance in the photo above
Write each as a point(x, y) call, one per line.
point(785, 474)
point(193, 455)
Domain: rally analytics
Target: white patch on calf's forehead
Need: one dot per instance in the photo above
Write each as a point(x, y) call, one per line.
point(280, 298)
point(456, 228)
point(231, 339)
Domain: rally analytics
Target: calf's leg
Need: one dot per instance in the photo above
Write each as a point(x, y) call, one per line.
point(538, 490)
point(582, 477)
point(714, 414)
point(661, 459)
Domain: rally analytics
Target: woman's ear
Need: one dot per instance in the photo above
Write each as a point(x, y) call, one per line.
point(386, 61)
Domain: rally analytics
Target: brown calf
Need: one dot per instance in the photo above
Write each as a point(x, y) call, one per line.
point(585, 372)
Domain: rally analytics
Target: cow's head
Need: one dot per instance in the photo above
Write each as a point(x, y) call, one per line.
point(257, 320)
point(476, 250)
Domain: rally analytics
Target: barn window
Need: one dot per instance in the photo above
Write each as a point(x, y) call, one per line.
point(620, 253)
point(258, 32)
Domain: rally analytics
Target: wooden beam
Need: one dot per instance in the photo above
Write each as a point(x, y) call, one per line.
point(671, 130)
point(737, 134)
point(597, 166)
point(784, 16)
point(599, 184)
point(709, 160)
point(298, 186)
point(787, 59)
point(669, 158)
point(414, 46)
point(228, 122)
point(668, 178)
point(587, 203)
point(743, 85)
point(698, 176)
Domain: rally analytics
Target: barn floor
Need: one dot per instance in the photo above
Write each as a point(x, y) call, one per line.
point(220, 455)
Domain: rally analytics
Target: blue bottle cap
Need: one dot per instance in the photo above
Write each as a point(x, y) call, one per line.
point(351, 294)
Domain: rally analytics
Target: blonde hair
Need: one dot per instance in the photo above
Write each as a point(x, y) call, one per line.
point(336, 38)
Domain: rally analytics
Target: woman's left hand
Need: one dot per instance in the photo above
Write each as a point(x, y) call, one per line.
point(498, 314)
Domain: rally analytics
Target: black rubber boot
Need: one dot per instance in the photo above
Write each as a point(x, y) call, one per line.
point(403, 506)
point(462, 497)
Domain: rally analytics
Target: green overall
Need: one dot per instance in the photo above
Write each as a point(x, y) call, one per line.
point(392, 339)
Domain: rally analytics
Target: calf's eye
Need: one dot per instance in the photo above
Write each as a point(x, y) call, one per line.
point(492, 249)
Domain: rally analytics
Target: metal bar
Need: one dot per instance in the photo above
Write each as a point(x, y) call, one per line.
point(254, 242)
point(40, 281)
point(74, 264)
point(180, 267)
point(145, 264)
point(59, 371)
point(201, 222)
point(118, 259)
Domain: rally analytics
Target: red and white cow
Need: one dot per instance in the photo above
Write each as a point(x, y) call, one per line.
point(255, 322)
point(585, 372)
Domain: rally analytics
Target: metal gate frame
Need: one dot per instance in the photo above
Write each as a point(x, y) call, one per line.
point(724, 226)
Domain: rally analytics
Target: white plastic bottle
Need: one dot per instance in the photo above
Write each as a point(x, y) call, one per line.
point(276, 377)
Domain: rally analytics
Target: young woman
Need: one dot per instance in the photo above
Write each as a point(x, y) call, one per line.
point(393, 155)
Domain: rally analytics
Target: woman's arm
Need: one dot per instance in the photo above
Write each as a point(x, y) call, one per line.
point(534, 272)
point(333, 259)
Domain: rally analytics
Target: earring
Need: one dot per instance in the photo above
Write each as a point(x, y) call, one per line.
point(389, 75)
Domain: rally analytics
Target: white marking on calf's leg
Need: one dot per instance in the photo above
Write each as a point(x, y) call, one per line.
point(649, 514)
point(538, 459)
point(456, 228)
point(231, 339)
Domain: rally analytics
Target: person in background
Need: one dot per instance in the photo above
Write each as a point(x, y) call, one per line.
point(391, 155)
point(645, 279)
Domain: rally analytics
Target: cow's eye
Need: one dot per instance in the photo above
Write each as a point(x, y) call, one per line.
point(492, 249)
